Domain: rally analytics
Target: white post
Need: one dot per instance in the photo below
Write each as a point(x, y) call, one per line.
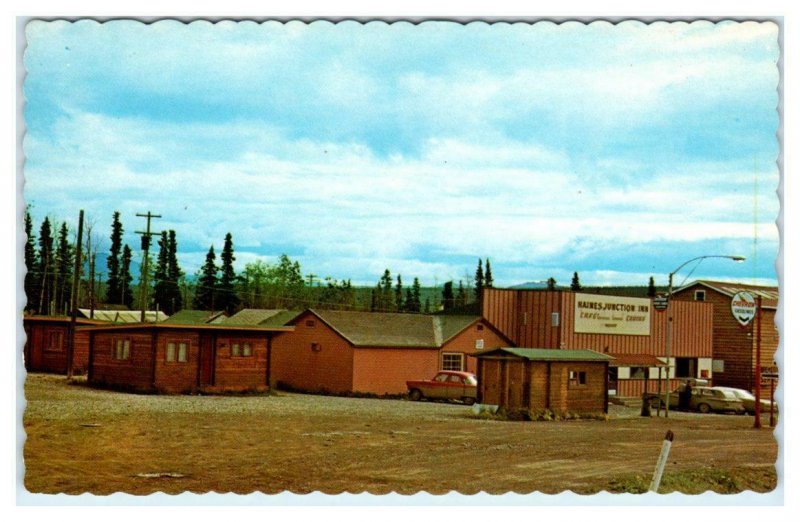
point(662, 461)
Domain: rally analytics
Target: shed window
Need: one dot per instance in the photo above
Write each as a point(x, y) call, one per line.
point(247, 351)
point(122, 349)
point(453, 361)
point(700, 295)
point(316, 347)
point(480, 327)
point(638, 372)
point(577, 379)
point(310, 323)
point(55, 342)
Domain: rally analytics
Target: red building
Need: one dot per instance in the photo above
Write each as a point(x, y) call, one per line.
point(366, 352)
point(626, 328)
point(46, 344)
point(734, 345)
point(175, 358)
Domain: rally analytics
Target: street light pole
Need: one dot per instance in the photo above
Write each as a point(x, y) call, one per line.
point(668, 334)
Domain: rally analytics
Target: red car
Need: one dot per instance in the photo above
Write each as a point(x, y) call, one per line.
point(461, 386)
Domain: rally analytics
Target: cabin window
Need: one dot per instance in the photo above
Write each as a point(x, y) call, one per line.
point(316, 347)
point(310, 323)
point(577, 379)
point(55, 342)
point(699, 295)
point(453, 361)
point(177, 351)
point(480, 327)
point(122, 349)
point(241, 349)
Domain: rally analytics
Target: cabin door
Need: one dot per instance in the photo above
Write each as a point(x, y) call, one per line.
point(207, 356)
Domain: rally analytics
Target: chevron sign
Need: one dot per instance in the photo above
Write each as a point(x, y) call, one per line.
point(743, 306)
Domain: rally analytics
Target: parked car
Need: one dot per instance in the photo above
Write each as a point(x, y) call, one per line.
point(704, 399)
point(449, 385)
point(748, 400)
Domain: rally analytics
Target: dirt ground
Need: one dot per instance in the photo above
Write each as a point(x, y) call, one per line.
point(86, 440)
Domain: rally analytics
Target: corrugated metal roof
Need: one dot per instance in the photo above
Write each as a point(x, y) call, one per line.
point(193, 317)
point(635, 360)
point(547, 354)
point(126, 316)
point(769, 294)
point(259, 317)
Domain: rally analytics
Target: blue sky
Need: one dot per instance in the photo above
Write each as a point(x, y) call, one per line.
point(615, 151)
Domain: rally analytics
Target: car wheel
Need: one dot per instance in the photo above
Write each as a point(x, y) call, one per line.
point(469, 401)
point(704, 408)
point(415, 395)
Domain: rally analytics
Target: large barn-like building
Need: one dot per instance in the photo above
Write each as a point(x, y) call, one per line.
point(626, 328)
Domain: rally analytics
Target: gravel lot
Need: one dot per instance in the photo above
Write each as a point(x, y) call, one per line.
point(81, 439)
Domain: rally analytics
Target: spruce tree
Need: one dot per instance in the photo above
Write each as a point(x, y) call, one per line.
point(427, 305)
point(551, 283)
point(174, 276)
point(416, 290)
point(408, 305)
point(46, 266)
point(63, 274)
point(488, 279)
point(204, 296)
point(32, 276)
point(398, 294)
point(125, 278)
point(161, 279)
point(113, 284)
point(461, 297)
point(448, 299)
point(575, 285)
point(479, 281)
point(651, 287)
point(386, 291)
point(228, 300)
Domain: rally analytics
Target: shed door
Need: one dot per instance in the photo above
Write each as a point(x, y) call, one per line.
point(207, 350)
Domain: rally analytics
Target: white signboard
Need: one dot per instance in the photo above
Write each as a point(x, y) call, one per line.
point(743, 307)
point(612, 315)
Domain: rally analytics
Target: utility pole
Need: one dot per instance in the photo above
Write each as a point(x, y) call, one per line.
point(76, 277)
point(146, 235)
point(757, 412)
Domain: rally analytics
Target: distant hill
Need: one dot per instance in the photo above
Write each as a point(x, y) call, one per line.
point(535, 285)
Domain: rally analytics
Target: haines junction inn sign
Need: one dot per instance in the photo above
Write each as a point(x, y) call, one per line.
point(612, 315)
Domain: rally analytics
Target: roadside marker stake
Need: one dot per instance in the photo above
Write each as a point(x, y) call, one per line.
point(662, 461)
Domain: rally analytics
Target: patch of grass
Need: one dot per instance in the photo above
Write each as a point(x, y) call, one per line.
point(699, 480)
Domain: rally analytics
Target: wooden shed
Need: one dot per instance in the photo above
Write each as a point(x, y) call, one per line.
point(46, 344)
point(369, 352)
point(610, 324)
point(734, 345)
point(561, 381)
point(181, 358)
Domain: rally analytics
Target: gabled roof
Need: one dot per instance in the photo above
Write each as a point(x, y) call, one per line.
point(193, 317)
point(260, 317)
point(548, 354)
point(125, 316)
point(395, 329)
point(769, 294)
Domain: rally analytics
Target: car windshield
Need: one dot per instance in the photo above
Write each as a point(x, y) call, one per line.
point(727, 394)
point(742, 394)
point(470, 379)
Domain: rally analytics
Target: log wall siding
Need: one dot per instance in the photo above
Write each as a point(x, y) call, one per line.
point(517, 383)
point(176, 376)
point(735, 344)
point(464, 343)
point(240, 373)
point(296, 365)
point(38, 356)
point(134, 373)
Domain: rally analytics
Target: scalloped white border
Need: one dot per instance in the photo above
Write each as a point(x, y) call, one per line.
point(23, 497)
